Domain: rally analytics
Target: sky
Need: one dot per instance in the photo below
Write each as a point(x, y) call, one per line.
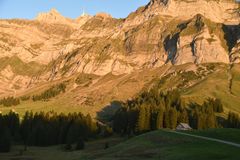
point(28, 9)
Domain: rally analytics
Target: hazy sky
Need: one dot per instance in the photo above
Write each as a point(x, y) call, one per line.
point(69, 8)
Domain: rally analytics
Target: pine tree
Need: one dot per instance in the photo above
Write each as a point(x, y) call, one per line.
point(201, 123)
point(172, 118)
point(13, 124)
point(92, 126)
point(5, 139)
point(166, 120)
point(159, 123)
point(147, 124)
point(141, 120)
point(211, 120)
point(183, 116)
point(233, 120)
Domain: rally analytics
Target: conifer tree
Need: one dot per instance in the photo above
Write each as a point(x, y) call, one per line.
point(147, 124)
point(183, 116)
point(166, 119)
point(211, 121)
point(233, 120)
point(172, 118)
point(5, 139)
point(159, 123)
point(141, 120)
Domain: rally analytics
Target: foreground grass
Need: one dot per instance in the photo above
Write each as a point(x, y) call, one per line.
point(168, 146)
point(227, 134)
point(161, 145)
point(57, 152)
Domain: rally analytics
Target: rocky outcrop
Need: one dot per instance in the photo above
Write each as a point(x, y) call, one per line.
point(235, 53)
point(52, 17)
point(197, 41)
point(219, 11)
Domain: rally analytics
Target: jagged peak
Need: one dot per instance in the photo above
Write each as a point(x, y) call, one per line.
point(103, 15)
point(165, 2)
point(198, 22)
point(54, 11)
point(219, 11)
point(53, 16)
point(168, 2)
point(161, 2)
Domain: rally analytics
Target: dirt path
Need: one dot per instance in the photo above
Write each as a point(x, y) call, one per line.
point(207, 138)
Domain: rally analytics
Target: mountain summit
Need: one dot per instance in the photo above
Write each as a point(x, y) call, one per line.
point(220, 11)
point(53, 16)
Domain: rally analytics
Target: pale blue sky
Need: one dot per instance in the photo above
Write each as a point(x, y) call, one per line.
point(70, 8)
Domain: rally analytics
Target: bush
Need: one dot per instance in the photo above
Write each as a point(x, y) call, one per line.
point(80, 144)
point(106, 145)
point(107, 132)
point(68, 147)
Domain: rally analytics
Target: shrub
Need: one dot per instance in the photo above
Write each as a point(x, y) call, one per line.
point(80, 144)
point(68, 147)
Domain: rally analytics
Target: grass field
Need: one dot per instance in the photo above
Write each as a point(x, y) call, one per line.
point(57, 153)
point(161, 145)
point(168, 146)
point(228, 134)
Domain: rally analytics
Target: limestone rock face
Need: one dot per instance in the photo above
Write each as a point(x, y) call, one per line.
point(235, 53)
point(219, 11)
point(53, 47)
point(196, 41)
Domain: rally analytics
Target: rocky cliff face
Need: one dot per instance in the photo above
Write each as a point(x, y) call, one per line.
point(219, 11)
point(163, 31)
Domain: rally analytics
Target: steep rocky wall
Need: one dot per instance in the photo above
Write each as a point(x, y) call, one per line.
point(164, 31)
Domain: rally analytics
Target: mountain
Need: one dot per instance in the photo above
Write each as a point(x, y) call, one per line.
point(114, 59)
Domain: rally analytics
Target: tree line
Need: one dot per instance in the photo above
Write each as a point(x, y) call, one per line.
point(233, 120)
point(155, 109)
point(50, 93)
point(45, 129)
point(9, 101)
point(47, 94)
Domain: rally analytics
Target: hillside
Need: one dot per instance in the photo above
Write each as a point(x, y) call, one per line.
point(153, 145)
point(168, 146)
point(91, 93)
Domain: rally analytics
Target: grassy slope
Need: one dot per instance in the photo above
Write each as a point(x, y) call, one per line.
point(19, 67)
point(151, 146)
point(232, 135)
point(216, 85)
point(236, 80)
point(56, 152)
point(168, 146)
point(103, 90)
